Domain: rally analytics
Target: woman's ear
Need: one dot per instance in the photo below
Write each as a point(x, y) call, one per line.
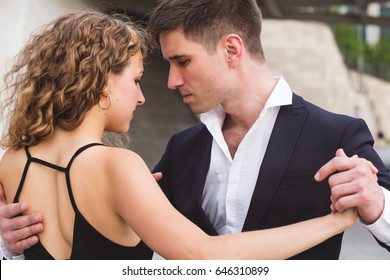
point(234, 47)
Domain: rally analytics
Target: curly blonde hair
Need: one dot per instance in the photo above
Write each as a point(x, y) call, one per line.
point(61, 73)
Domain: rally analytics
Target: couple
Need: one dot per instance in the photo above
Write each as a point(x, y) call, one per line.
point(251, 165)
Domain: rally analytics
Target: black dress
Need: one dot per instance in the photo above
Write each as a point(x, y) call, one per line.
point(88, 243)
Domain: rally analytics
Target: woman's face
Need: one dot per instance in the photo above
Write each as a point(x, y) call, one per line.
point(126, 94)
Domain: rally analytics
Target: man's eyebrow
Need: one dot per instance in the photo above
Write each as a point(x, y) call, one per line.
point(177, 57)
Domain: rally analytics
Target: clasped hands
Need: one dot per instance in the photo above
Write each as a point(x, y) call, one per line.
point(354, 183)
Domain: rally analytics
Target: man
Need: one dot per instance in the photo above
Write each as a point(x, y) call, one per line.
point(252, 163)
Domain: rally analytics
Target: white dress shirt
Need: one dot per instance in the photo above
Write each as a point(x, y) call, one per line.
point(230, 182)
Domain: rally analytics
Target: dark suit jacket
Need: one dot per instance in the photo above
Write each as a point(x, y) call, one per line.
point(303, 139)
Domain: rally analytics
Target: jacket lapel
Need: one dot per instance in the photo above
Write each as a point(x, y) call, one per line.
point(203, 150)
point(281, 145)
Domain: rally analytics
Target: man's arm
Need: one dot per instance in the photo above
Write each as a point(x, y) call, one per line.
point(18, 232)
point(380, 229)
point(354, 183)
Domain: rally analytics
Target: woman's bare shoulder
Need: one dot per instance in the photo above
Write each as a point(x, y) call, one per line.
point(121, 155)
point(12, 158)
point(11, 168)
point(119, 158)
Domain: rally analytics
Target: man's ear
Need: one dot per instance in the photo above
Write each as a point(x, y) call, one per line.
point(234, 47)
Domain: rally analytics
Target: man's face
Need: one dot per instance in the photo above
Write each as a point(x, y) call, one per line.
point(197, 74)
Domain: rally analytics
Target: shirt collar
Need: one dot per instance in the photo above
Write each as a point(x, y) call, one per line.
point(280, 96)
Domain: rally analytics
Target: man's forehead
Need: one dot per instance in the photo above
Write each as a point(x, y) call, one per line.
point(172, 44)
point(175, 45)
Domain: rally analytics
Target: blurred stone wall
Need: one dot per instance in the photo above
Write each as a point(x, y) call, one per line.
point(306, 54)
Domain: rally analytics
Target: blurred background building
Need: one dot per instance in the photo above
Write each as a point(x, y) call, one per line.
point(332, 52)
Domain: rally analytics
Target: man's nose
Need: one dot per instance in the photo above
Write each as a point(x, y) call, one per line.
point(175, 80)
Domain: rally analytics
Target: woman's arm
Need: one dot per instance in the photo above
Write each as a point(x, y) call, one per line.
point(142, 204)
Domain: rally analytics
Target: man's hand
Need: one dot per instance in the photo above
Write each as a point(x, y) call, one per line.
point(18, 232)
point(353, 183)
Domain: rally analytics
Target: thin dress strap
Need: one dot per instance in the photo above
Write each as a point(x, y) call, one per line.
point(67, 173)
point(16, 198)
point(53, 166)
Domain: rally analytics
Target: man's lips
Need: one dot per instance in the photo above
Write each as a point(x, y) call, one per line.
point(186, 97)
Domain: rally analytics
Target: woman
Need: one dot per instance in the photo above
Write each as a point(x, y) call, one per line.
point(81, 77)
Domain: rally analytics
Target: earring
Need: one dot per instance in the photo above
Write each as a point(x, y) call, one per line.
point(109, 102)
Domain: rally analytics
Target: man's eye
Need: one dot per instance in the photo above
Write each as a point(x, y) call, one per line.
point(183, 62)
